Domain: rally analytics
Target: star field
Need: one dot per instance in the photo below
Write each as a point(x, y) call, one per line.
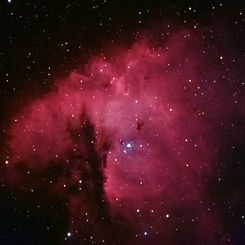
point(122, 122)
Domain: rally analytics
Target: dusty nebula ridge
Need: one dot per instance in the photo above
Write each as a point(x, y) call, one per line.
point(131, 142)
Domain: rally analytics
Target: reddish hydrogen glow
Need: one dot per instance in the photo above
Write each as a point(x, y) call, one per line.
point(149, 105)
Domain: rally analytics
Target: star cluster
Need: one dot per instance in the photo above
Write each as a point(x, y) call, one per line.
point(122, 129)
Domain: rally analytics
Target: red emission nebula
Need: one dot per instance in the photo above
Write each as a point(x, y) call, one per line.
point(130, 143)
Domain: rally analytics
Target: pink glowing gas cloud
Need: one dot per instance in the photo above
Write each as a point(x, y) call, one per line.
point(148, 105)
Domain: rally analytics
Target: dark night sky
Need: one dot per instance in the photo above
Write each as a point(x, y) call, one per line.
point(42, 42)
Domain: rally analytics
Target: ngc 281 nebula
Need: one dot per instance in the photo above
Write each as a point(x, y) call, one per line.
point(133, 142)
